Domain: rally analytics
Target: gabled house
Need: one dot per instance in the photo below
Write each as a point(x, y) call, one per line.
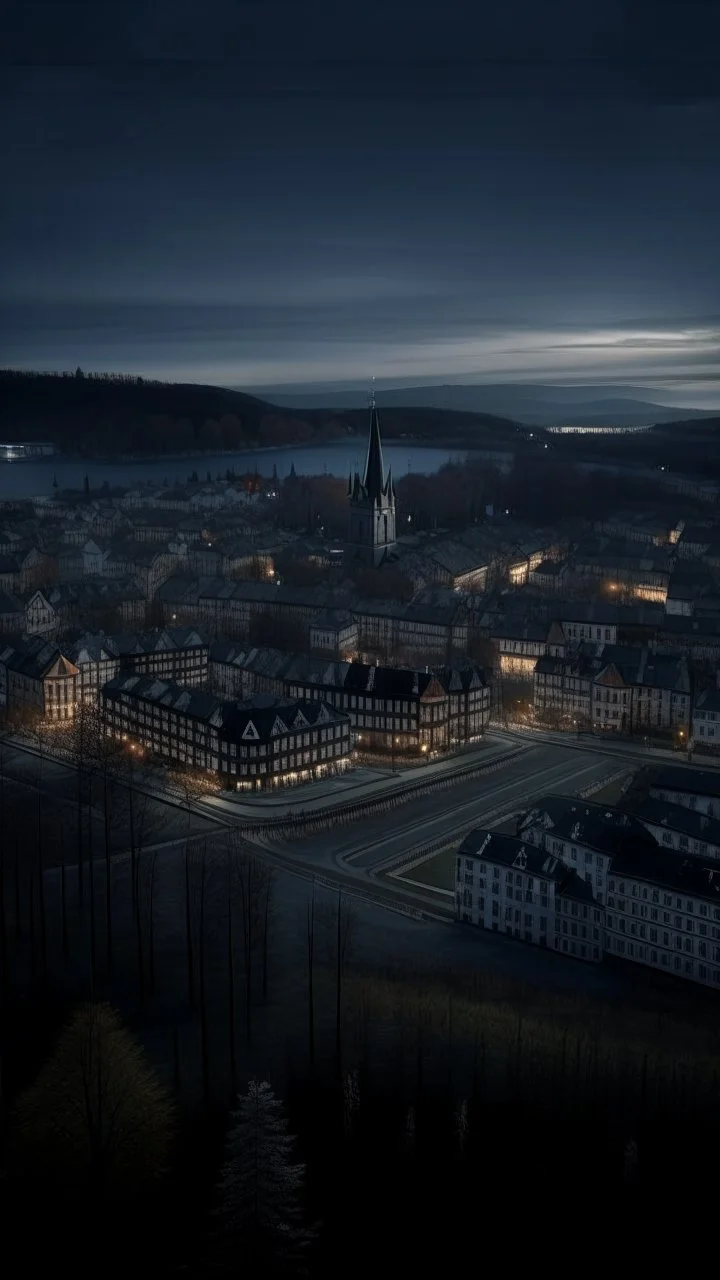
point(36, 679)
point(41, 616)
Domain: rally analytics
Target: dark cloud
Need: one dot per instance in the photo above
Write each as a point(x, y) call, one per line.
point(252, 186)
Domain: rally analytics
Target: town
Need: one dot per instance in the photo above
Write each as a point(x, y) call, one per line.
point(197, 630)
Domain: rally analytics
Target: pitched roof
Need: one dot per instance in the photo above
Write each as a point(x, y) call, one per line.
point(509, 851)
point(698, 782)
point(677, 817)
point(687, 875)
point(601, 827)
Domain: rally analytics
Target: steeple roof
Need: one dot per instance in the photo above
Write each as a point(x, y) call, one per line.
point(375, 486)
point(374, 478)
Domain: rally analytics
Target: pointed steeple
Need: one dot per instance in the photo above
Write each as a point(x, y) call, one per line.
point(374, 478)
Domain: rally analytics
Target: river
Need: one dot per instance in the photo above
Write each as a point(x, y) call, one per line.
point(339, 457)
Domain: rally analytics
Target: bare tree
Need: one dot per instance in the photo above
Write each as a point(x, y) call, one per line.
point(97, 1118)
point(311, 964)
point(255, 880)
point(204, 1040)
point(344, 931)
point(232, 1030)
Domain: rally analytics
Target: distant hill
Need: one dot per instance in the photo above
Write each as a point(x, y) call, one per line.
point(531, 403)
point(110, 415)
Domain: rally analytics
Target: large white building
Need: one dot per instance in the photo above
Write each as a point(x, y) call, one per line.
point(674, 826)
point(510, 887)
point(586, 836)
point(664, 911)
point(697, 789)
point(659, 903)
point(706, 719)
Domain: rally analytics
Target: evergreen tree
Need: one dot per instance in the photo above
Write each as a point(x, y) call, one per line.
point(260, 1187)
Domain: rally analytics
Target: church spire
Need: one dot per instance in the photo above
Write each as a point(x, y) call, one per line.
point(374, 478)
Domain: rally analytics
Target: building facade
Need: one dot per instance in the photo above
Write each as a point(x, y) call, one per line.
point(510, 887)
point(36, 680)
point(393, 709)
point(255, 743)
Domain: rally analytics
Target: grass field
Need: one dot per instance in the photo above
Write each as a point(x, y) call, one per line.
point(438, 871)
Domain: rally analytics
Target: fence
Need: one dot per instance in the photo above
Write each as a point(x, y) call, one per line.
point(309, 823)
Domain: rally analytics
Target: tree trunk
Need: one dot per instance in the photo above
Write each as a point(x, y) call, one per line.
point(203, 1003)
point(16, 885)
point(63, 898)
point(41, 893)
point(140, 949)
point(188, 930)
point(31, 925)
point(108, 881)
point(4, 978)
point(91, 883)
point(311, 994)
point(266, 926)
point(133, 852)
point(78, 831)
point(231, 987)
point(151, 925)
point(338, 991)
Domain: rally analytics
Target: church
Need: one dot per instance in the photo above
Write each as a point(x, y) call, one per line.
point(372, 504)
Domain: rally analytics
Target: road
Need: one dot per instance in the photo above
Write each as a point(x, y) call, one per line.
point(359, 852)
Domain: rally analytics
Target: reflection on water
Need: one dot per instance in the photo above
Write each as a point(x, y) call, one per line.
point(31, 479)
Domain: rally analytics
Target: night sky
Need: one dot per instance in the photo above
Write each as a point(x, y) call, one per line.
point(312, 191)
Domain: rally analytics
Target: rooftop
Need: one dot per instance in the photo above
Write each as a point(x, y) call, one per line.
point(509, 851)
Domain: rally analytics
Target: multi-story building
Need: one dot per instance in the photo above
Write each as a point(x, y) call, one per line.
point(35, 679)
point(646, 693)
point(396, 709)
point(510, 887)
point(97, 661)
point(562, 687)
point(12, 614)
point(41, 616)
point(674, 826)
point(658, 906)
point(453, 565)
point(706, 719)
point(176, 653)
point(263, 741)
point(620, 568)
point(519, 645)
point(387, 629)
point(180, 654)
point(334, 633)
point(697, 789)
point(585, 836)
point(663, 910)
point(227, 668)
point(227, 607)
